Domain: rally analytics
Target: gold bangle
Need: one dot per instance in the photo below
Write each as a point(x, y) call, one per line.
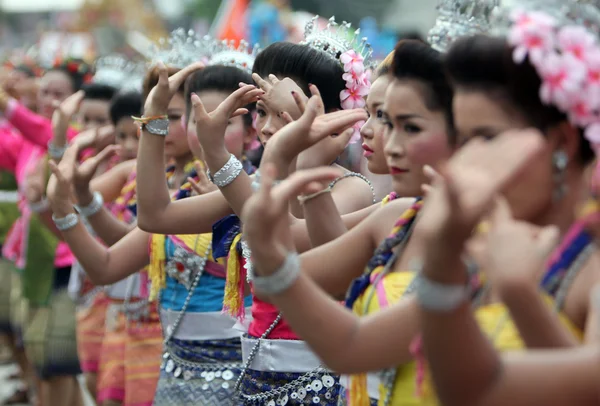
point(304, 199)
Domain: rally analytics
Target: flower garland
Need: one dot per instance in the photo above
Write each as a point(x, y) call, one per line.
point(358, 84)
point(76, 67)
point(567, 60)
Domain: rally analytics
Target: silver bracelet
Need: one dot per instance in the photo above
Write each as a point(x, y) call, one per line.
point(158, 126)
point(67, 222)
point(257, 180)
point(94, 207)
point(306, 198)
point(40, 207)
point(438, 297)
point(281, 279)
point(56, 152)
point(228, 173)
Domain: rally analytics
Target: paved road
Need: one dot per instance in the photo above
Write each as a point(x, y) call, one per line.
point(8, 387)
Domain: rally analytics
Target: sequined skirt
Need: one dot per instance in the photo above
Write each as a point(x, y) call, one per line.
point(318, 387)
point(199, 373)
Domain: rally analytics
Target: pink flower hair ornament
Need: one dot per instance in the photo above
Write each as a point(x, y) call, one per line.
point(358, 84)
point(567, 60)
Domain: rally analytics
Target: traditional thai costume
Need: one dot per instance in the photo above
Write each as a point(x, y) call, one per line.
point(202, 354)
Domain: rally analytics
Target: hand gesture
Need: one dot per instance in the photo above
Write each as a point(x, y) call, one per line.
point(85, 172)
point(311, 128)
point(265, 216)
point(66, 173)
point(210, 127)
point(160, 96)
point(516, 251)
point(65, 110)
point(468, 184)
point(35, 182)
point(282, 95)
point(203, 185)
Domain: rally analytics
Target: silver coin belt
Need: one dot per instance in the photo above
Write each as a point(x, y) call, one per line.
point(313, 381)
point(86, 300)
point(187, 370)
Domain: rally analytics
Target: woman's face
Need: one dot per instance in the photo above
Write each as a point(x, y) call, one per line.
point(127, 137)
point(268, 111)
point(94, 113)
point(372, 131)
point(477, 114)
point(238, 136)
point(414, 136)
point(54, 86)
point(176, 143)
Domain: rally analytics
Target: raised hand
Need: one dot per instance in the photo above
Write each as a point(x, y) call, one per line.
point(203, 185)
point(35, 182)
point(516, 251)
point(210, 127)
point(160, 96)
point(85, 172)
point(61, 181)
point(311, 128)
point(282, 96)
point(265, 215)
point(468, 184)
point(65, 110)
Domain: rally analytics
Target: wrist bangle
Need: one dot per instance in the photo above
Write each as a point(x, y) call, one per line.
point(304, 199)
point(438, 297)
point(228, 173)
point(67, 222)
point(94, 207)
point(257, 180)
point(39, 207)
point(281, 279)
point(56, 152)
point(156, 125)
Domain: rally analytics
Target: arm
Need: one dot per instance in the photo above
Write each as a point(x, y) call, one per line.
point(109, 184)
point(33, 127)
point(156, 212)
point(104, 265)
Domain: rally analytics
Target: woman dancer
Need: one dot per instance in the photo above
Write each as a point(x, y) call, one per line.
point(565, 136)
point(49, 339)
point(189, 282)
point(378, 287)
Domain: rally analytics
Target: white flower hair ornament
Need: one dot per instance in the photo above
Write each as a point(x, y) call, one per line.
point(353, 53)
point(567, 60)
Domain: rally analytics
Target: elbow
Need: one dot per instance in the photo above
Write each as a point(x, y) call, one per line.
point(147, 223)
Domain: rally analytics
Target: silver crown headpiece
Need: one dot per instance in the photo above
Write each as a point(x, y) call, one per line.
point(226, 53)
point(119, 72)
point(336, 39)
point(180, 49)
point(460, 18)
point(564, 12)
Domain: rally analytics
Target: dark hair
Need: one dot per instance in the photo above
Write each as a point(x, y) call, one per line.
point(26, 70)
point(77, 70)
point(125, 104)
point(151, 80)
point(305, 66)
point(416, 61)
point(485, 63)
point(97, 91)
point(218, 78)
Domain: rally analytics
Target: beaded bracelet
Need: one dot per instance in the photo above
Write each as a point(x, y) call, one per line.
point(39, 207)
point(306, 198)
point(228, 173)
point(280, 280)
point(67, 222)
point(94, 207)
point(56, 152)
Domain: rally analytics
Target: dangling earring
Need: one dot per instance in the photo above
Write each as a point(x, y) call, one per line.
point(559, 163)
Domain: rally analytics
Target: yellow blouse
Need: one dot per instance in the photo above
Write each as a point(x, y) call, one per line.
point(493, 319)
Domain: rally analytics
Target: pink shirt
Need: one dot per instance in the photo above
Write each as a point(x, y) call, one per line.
point(19, 156)
point(34, 128)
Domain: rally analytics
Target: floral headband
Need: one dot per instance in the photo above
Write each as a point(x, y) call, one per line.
point(567, 60)
point(353, 52)
point(75, 66)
